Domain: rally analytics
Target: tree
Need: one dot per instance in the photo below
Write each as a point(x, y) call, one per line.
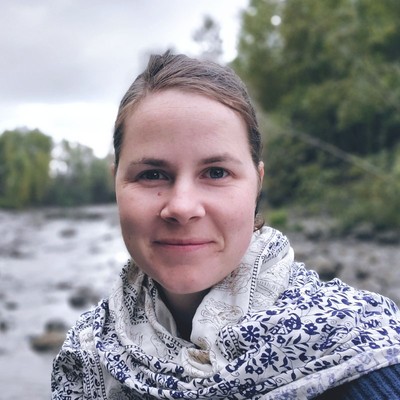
point(331, 66)
point(209, 39)
point(24, 167)
point(101, 180)
point(79, 177)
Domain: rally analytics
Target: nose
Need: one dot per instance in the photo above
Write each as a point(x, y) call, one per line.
point(183, 204)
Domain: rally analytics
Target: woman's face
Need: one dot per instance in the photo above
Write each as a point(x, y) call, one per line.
point(186, 190)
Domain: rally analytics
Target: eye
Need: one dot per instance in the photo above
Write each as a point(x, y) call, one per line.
point(217, 173)
point(152, 175)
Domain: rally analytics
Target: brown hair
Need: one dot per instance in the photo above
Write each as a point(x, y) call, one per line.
point(169, 71)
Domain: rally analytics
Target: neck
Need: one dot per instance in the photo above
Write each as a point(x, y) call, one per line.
point(183, 307)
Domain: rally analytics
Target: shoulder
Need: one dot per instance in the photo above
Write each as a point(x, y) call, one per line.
point(378, 385)
point(77, 356)
point(81, 334)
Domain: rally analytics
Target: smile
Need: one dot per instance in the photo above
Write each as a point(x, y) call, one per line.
point(182, 245)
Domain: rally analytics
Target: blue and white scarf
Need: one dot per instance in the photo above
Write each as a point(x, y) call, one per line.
point(269, 330)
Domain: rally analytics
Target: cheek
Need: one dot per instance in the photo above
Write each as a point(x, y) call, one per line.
point(238, 215)
point(132, 200)
point(133, 211)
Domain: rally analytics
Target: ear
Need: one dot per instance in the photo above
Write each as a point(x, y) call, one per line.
point(259, 221)
point(261, 172)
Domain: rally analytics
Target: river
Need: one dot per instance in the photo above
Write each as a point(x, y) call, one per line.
point(48, 257)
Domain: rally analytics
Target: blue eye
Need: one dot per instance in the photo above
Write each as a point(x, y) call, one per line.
point(217, 173)
point(152, 175)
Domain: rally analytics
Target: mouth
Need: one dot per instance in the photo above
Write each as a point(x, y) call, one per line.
point(183, 244)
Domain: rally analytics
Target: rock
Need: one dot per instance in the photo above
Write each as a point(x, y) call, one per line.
point(76, 213)
point(107, 237)
point(17, 252)
point(362, 275)
point(48, 342)
point(315, 229)
point(52, 339)
point(10, 305)
point(389, 237)
point(4, 326)
point(364, 231)
point(68, 232)
point(313, 232)
point(327, 268)
point(83, 297)
point(63, 285)
point(56, 325)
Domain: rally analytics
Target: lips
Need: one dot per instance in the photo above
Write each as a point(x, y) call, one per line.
point(182, 244)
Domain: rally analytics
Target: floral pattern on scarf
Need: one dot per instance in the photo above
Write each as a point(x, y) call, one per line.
point(270, 330)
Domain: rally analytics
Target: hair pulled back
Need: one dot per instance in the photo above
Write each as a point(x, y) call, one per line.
point(169, 71)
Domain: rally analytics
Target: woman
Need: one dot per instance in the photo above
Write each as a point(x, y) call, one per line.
point(212, 305)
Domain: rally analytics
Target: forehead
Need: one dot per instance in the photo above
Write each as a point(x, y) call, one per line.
point(174, 106)
point(169, 100)
point(176, 117)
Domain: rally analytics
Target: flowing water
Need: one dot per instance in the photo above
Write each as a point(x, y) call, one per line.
point(48, 256)
point(44, 259)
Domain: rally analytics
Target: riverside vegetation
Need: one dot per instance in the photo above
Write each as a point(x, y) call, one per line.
point(326, 79)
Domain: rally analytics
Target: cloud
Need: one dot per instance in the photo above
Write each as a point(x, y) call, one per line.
point(60, 53)
point(70, 49)
point(67, 50)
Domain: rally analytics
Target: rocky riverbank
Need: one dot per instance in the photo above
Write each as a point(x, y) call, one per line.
point(368, 262)
point(55, 263)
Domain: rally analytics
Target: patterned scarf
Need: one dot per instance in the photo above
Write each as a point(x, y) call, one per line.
point(269, 330)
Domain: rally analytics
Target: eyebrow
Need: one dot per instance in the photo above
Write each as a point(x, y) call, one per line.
point(155, 162)
point(224, 157)
point(158, 162)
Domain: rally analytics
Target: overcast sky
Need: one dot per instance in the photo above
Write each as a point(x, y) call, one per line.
point(65, 64)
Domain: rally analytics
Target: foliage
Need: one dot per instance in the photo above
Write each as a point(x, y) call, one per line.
point(24, 167)
point(79, 177)
point(331, 66)
point(278, 218)
point(328, 79)
point(320, 183)
point(371, 198)
point(32, 173)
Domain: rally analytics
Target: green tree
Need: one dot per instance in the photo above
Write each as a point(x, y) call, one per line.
point(101, 180)
point(331, 66)
point(24, 167)
point(79, 177)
